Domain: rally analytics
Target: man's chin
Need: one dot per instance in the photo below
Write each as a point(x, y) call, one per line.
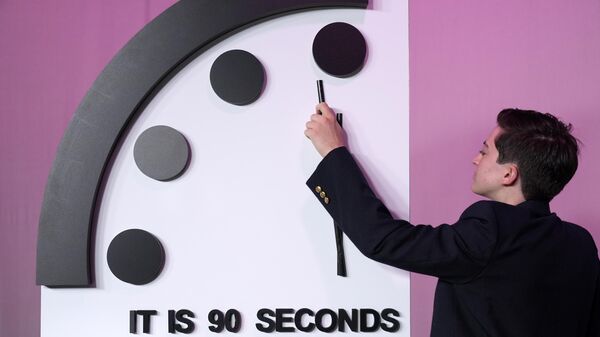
point(477, 191)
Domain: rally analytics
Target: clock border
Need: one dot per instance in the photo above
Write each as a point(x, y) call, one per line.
point(125, 86)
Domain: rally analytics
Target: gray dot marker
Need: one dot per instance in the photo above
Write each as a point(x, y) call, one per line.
point(161, 153)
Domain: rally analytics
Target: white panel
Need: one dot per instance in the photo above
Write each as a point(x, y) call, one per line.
point(240, 228)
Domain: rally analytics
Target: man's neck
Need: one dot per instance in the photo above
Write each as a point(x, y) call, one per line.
point(513, 201)
point(509, 197)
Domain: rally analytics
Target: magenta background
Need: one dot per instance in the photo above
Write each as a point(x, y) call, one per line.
point(466, 63)
point(52, 50)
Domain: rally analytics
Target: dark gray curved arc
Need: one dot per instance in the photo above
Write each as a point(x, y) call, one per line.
point(64, 237)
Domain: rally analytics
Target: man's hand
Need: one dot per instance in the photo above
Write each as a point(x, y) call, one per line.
point(324, 131)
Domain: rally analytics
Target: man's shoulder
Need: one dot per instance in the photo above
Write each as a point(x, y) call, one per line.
point(503, 211)
point(489, 205)
point(481, 209)
point(506, 214)
point(582, 234)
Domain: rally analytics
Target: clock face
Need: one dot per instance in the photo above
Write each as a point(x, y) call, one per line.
point(236, 226)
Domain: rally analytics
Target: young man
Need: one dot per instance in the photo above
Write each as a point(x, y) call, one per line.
point(508, 266)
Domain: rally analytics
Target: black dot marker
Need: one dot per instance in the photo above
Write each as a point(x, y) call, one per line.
point(135, 256)
point(237, 77)
point(340, 49)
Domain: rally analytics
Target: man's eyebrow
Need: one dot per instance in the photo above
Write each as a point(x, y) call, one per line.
point(485, 143)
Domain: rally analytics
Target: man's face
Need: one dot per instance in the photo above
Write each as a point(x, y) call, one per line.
point(488, 176)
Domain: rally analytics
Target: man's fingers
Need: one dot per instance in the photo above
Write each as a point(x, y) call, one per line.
point(316, 118)
point(326, 110)
point(308, 133)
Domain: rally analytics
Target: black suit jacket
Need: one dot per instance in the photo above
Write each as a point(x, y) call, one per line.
point(503, 270)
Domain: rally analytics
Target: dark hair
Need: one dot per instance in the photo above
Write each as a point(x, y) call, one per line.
point(543, 149)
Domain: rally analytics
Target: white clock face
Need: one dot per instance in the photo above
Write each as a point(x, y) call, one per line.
point(240, 229)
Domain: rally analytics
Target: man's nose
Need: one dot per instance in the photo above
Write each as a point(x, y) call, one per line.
point(476, 159)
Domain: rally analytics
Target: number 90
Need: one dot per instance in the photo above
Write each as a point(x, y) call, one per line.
point(230, 320)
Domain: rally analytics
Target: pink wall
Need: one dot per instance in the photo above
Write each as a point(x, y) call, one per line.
point(468, 62)
point(51, 53)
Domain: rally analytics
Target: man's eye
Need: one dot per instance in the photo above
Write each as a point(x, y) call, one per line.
point(482, 153)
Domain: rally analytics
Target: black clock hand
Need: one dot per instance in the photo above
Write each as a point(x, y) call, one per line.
point(339, 236)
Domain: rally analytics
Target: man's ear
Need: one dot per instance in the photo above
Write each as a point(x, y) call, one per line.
point(511, 175)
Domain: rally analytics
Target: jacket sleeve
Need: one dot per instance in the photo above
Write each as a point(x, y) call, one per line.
point(455, 253)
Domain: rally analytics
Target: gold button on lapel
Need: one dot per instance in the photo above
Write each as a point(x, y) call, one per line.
point(318, 189)
point(322, 194)
point(326, 200)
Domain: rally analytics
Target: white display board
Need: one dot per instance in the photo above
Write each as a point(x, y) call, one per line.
point(240, 228)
